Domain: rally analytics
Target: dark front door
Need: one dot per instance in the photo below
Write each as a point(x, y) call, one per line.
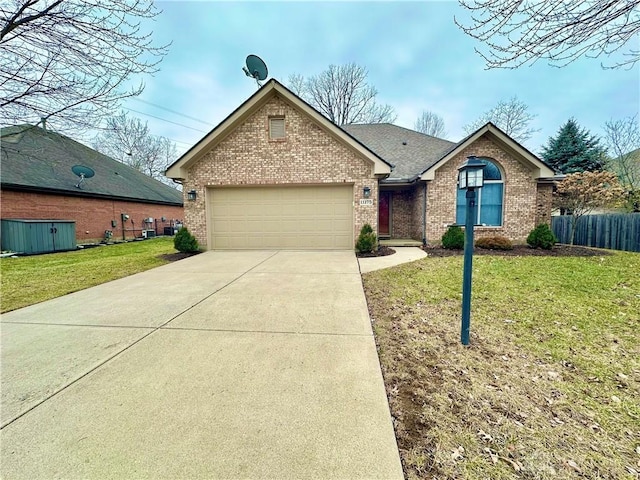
point(384, 207)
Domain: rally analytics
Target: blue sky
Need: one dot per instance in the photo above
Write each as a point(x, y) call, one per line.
point(417, 58)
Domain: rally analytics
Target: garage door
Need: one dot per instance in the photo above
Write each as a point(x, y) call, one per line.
point(309, 217)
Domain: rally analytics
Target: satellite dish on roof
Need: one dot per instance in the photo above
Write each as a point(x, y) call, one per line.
point(82, 172)
point(255, 69)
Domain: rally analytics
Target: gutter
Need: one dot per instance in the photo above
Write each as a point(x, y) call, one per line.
point(424, 216)
point(85, 194)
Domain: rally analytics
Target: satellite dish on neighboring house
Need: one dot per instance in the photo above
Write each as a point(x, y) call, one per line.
point(82, 172)
point(256, 69)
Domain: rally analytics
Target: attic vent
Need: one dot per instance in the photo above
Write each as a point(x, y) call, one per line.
point(276, 127)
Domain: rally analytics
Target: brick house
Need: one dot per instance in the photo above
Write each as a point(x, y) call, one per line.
point(278, 174)
point(37, 182)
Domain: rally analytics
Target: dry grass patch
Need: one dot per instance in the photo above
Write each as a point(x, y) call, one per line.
point(549, 387)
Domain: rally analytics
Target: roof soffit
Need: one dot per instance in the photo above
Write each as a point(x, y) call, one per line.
point(537, 167)
point(272, 89)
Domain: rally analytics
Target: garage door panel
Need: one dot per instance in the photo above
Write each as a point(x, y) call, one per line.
point(310, 217)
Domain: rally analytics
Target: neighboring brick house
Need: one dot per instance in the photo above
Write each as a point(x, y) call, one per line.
point(278, 174)
point(36, 182)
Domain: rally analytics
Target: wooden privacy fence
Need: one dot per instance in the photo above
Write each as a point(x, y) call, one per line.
point(615, 231)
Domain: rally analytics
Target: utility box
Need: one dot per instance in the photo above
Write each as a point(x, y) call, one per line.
point(37, 236)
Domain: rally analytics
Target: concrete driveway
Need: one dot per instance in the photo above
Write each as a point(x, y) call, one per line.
point(223, 365)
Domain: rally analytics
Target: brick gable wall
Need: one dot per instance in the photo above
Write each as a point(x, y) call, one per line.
point(308, 155)
point(525, 202)
point(92, 215)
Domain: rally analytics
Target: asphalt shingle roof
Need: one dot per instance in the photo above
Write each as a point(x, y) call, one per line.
point(39, 159)
point(409, 151)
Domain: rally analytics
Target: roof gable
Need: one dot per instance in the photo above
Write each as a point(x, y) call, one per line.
point(178, 170)
point(539, 168)
point(41, 160)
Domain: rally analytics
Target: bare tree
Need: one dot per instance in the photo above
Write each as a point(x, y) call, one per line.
point(622, 138)
point(71, 61)
point(511, 116)
point(519, 32)
point(342, 94)
point(582, 192)
point(129, 141)
point(430, 123)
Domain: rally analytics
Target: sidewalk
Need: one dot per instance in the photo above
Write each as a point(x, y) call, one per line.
point(402, 255)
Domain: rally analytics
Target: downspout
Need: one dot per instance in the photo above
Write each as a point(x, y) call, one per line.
point(424, 215)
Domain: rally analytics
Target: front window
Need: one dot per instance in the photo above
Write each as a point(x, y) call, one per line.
point(489, 198)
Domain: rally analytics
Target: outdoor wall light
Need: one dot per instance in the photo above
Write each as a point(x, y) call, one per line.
point(192, 195)
point(470, 178)
point(366, 192)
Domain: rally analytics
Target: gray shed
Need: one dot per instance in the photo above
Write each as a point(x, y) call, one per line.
point(38, 236)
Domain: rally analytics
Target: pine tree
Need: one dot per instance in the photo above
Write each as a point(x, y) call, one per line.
point(573, 150)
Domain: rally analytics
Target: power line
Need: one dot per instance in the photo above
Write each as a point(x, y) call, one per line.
point(164, 120)
point(173, 111)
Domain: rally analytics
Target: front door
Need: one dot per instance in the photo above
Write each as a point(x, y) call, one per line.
point(384, 221)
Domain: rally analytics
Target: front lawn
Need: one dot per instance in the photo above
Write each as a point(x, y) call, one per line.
point(549, 387)
point(34, 279)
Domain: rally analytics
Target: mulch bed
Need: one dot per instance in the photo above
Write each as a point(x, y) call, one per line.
point(381, 252)
point(523, 251)
point(173, 257)
point(518, 251)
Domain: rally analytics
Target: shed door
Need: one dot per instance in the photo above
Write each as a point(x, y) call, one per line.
point(300, 217)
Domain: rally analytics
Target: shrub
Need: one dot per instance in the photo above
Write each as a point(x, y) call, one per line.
point(542, 237)
point(367, 240)
point(185, 242)
point(366, 228)
point(496, 242)
point(453, 238)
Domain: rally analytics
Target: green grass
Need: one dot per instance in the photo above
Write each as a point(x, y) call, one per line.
point(552, 376)
point(34, 279)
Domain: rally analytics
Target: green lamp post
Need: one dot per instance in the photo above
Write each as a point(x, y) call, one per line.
point(470, 177)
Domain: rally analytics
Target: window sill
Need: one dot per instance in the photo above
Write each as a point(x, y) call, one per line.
point(479, 226)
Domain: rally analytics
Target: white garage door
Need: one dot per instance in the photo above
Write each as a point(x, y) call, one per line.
point(309, 217)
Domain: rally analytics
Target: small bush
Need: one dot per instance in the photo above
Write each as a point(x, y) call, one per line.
point(496, 242)
point(185, 242)
point(542, 237)
point(366, 228)
point(367, 240)
point(453, 238)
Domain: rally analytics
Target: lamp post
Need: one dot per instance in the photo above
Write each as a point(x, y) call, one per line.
point(470, 177)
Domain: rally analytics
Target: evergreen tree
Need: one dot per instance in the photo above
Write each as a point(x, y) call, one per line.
point(573, 150)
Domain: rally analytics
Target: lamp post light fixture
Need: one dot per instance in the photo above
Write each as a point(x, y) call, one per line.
point(192, 195)
point(470, 177)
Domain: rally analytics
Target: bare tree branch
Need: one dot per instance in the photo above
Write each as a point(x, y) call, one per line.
point(622, 138)
point(511, 116)
point(72, 61)
point(430, 123)
point(342, 94)
point(129, 141)
point(519, 32)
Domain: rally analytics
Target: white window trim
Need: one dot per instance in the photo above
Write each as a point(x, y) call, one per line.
point(277, 131)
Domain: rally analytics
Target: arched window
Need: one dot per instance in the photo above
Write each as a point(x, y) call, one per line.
point(489, 198)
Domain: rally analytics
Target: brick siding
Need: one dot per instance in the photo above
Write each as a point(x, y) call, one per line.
point(544, 200)
point(92, 216)
point(525, 202)
point(401, 213)
point(307, 155)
